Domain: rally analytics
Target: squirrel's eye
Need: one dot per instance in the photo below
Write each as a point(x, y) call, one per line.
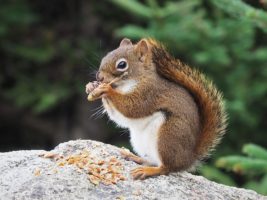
point(121, 64)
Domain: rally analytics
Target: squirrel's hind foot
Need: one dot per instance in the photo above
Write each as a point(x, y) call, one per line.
point(145, 172)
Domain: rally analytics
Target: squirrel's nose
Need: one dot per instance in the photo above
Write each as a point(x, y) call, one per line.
point(99, 77)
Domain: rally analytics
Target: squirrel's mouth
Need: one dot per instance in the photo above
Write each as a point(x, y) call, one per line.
point(115, 78)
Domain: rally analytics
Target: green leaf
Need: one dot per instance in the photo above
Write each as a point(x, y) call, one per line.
point(255, 151)
point(243, 165)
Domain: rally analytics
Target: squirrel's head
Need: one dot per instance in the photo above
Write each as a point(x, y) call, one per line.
point(129, 61)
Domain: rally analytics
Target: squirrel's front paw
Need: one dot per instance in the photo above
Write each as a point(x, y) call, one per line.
point(91, 86)
point(99, 91)
point(126, 154)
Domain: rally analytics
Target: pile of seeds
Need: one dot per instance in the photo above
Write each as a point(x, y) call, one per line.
point(107, 171)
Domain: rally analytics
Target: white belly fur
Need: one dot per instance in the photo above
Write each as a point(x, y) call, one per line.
point(143, 131)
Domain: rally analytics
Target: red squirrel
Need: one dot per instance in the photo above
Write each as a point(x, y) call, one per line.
point(175, 115)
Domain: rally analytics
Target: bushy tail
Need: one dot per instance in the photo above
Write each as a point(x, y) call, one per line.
point(209, 99)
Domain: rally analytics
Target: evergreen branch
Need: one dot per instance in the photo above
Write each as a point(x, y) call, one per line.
point(243, 165)
point(132, 31)
point(240, 9)
point(255, 151)
point(133, 6)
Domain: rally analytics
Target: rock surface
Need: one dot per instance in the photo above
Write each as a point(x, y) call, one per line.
point(19, 179)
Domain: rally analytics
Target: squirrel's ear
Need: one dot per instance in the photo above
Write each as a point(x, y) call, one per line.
point(125, 42)
point(142, 49)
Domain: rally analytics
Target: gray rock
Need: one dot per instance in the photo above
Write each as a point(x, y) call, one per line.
point(19, 181)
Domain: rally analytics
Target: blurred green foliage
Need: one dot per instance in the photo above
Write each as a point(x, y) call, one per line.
point(40, 64)
point(244, 12)
point(253, 166)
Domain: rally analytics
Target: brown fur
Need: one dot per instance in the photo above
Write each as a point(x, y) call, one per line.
point(208, 98)
point(195, 118)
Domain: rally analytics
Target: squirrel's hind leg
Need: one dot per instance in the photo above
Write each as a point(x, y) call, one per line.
point(176, 144)
point(144, 171)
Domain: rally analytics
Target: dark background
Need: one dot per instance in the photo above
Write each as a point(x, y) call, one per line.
point(50, 50)
point(48, 53)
